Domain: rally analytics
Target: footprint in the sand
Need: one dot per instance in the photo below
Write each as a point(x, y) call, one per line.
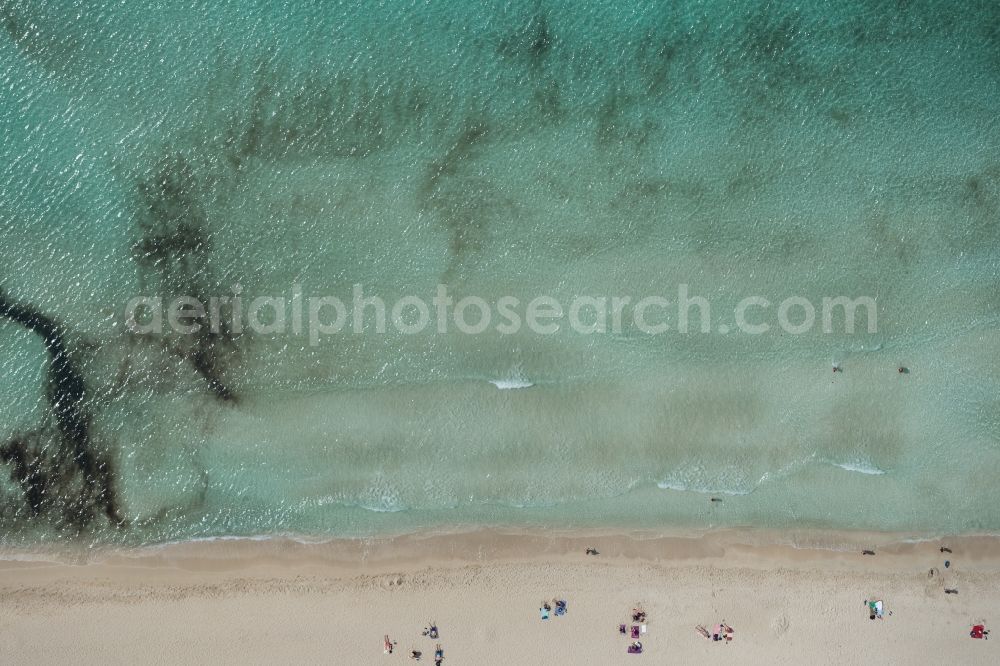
point(779, 625)
point(935, 583)
point(392, 581)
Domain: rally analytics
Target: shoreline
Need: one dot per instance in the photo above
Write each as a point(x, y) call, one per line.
point(476, 545)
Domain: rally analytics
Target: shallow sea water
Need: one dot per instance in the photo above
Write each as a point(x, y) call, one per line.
point(503, 149)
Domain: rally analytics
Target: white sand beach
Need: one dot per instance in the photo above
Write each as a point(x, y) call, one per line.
point(279, 600)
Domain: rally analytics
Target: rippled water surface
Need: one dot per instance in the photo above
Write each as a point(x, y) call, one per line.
point(521, 149)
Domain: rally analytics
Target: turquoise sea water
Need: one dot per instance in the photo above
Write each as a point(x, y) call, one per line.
point(503, 149)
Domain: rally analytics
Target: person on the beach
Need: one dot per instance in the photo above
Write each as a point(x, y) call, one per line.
point(727, 631)
point(720, 632)
point(388, 645)
point(438, 655)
